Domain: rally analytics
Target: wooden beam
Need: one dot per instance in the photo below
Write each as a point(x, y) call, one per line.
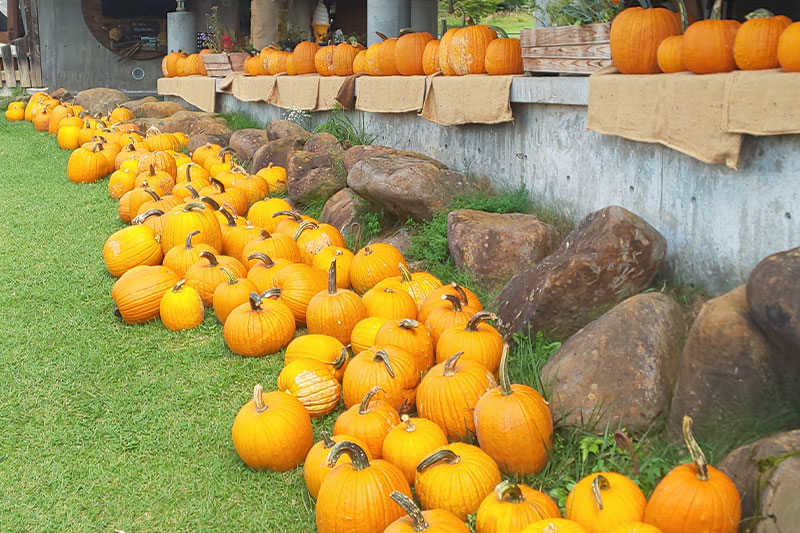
point(31, 9)
point(23, 62)
point(9, 72)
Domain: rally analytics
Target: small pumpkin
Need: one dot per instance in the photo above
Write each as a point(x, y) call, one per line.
point(263, 273)
point(272, 431)
point(447, 316)
point(388, 367)
point(313, 383)
point(636, 34)
point(181, 308)
point(604, 500)
point(180, 258)
point(756, 44)
point(708, 44)
point(410, 335)
point(410, 441)
point(137, 293)
point(207, 274)
point(120, 182)
point(364, 333)
point(419, 284)
point(389, 303)
point(370, 421)
point(312, 237)
point(276, 179)
point(456, 477)
point(344, 258)
point(479, 341)
point(323, 60)
point(511, 506)
point(186, 218)
point(670, 55)
point(129, 247)
point(430, 58)
point(343, 56)
point(322, 348)
point(260, 327)
point(231, 294)
point(334, 311)
point(360, 62)
point(789, 48)
point(202, 152)
point(467, 297)
point(503, 57)
point(433, 521)
point(374, 263)
point(635, 527)
point(315, 467)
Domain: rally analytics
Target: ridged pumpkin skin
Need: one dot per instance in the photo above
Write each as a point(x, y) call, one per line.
point(370, 421)
point(299, 283)
point(323, 60)
point(635, 527)
point(635, 36)
point(138, 292)
point(181, 308)
point(408, 53)
point(447, 316)
point(179, 258)
point(708, 46)
point(444, 52)
point(622, 502)
point(388, 367)
point(389, 303)
point(344, 258)
point(263, 273)
point(514, 425)
point(272, 431)
point(360, 62)
point(315, 467)
point(322, 348)
point(258, 328)
point(419, 284)
point(694, 496)
point(430, 58)
point(503, 57)
point(434, 299)
point(304, 57)
point(386, 58)
point(371, 60)
point(478, 340)
point(275, 246)
point(206, 274)
point(313, 383)
point(449, 392)
point(670, 55)
point(410, 335)
point(343, 56)
point(411, 441)
point(457, 478)
point(129, 247)
point(312, 237)
point(87, 165)
point(432, 521)
point(510, 507)
point(374, 263)
point(355, 496)
point(467, 51)
point(231, 294)
point(261, 213)
point(554, 525)
point(186, 218)
point(364, 333)
point(756, 43)
point(789, 48)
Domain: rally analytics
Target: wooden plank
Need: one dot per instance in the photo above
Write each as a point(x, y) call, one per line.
point(14, 31)
point(23, 62)
point(564, 65)
point(4, 37)
point(557, 35)
point(9, 72)
point(31, 9)
point(585, 51)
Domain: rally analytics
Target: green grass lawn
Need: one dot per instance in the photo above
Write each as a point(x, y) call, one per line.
point(513, 22)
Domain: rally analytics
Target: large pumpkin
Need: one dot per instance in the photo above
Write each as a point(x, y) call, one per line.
point(708, 44)
point(467, 50)
point(304, 57)
point(432, 520)
point(410, 442)
point(386, 58)
point(87, 165)
point(129, 247)
point(344, 54)
point(511, 506)
point(231, 294)
point(604, 500)
point(179, 258)
point(299, 283)
point(371, 421)
point(789, 48)
point(756, 43)
point(187, 218)
point(408, 53)
point(258, 328)
point(707, 498)
point(503, 57)
point(389, 303)
point(373, 264)
point(272, 431)
point(137, 293)
point(315, 467)
point(636, 34)
point(388, 367)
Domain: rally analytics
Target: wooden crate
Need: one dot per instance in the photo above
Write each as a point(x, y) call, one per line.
point(566, 49)
point(217, 65)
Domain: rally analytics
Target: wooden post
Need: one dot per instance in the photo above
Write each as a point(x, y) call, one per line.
point(31, 9)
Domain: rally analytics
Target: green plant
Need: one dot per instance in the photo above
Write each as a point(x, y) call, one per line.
point(576, 12)
point(474, 9)
point(240, 121)
point(344, 129)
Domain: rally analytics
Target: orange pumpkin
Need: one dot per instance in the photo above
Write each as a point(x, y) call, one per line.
point(276, 63)
point(503, 57)
point(315, 467)
point(789, 48)
point(670, 55)
point(511, 506)
point(371, 66)
point(467, 50)
point(344, 54)
point(708, 44)
point(430, 58)
point(408, 53)
point(604, 500)
point(386, 58)
point(323, 60)
point(371, 421)
point(360, 62)
point(756, 43)
point(432, 520)
point(636, 34)
point(304, 57)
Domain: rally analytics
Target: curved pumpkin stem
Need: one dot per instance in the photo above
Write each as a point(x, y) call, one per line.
point(454, 301)
point(477, 318)
point(258, 398)
point(409, 425)
point(291, 214)
point(231, 278)
point(193, 206)
point(411, 509)
point(357, 456)
point(364, 407)
point(213, 204)
point(509, 491)
point(218, 184)
point(264, 258)
point(139, 219)
point(623, 441)
point(450, 365)
point(599, 484)
point(760, 13)
point(328, 442)
point(178, 287)
point(357, 225)
point(381, 355)
point(405, 273)
point(191, 234)
point(304, 226)
point(211, 258)
point(448, 456)
point(341, 360)
point(695, 450)
point(229, 217)
point(153, 194)
point(271, 293)
point(193, 192)
point(408, 323)
point(264, 235)
point(505, 380)
point(332, 289)
point(716, 11)
point(255, 301)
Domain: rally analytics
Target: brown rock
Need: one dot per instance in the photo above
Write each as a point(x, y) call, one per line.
point(246, 142)
point(322, 142)
point(359, 152)
point(276, 152)
point(773, 297)
point(744, 465)
point(62, 94)
point(729, 370)
point(406, 186)
point(157, 109)
point(194, 122)
point(341, 209)
point(312, 176)
point(283, 129)
point(146, 123)
point(621, 368)
point(780, 508)
point(400, 238)
point(494, 247)
point(133, 105)
point(196, 141)
point(100, 100)
point(611, 255)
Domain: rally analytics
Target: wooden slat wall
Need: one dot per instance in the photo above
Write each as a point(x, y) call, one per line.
point(23, 68)
point(569, 49)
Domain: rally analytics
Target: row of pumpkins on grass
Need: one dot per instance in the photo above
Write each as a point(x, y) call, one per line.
point(470, 50)
point(419, 346)
point(647, 40)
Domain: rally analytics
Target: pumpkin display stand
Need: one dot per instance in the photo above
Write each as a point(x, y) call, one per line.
point(220, 65)
point(567, 49)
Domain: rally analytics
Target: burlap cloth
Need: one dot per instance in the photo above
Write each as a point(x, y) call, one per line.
point(329, 87)
point(472, 99)
point(199, 91)
point(253, 88)
point(390, 94)
point(296, 92)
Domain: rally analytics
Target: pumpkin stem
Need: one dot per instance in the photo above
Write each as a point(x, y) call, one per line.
point(411, 509)
point(304, 226)
point(684, 14)
point(210, 202)
point(760, 13)
point(264, 235)
point(624, 442)
point(228, 216)
point(453, 300)
point(405, 273)
point(327, 440)
point(341, 360)
point(695, 450)
point(152, 170)
point(332, 289)
point(271, 293)
point(448, 456)
point(505, 380)
point(367, 250)
point(212, 259)
point(258, 397)
point(509, 491)
point(264, 258)
point(716, 11)
point(381, 355)
point(139, 219)
point(357, 456)
point(189, 172)
point(178, 287)
point(193, 192)
point(409, 425)
point(477, 318)
point(255, 301)
point(218, 184)
point(231, 278)
point(189, 239)
point(153, 193)
point(364, 407)
point(409, 324)
point(599, 484)
point(193, 206)
point(462, 294)
point(450, 365)
point(358, 235)
point(291, 214)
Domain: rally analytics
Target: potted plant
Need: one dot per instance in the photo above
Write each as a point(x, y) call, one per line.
point(227, 55)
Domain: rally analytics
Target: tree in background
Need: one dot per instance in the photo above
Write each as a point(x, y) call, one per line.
point(474, 9)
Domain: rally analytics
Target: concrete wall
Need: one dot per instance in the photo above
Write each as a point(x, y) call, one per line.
point(718, 223)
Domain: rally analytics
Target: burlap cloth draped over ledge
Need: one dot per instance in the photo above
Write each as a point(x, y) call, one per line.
point(199, 91)
point(701, 116)
point(471, 99)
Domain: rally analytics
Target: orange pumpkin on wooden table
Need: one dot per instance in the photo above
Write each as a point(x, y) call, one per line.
point(708, 44)
point(636, 34)
point(756, 43)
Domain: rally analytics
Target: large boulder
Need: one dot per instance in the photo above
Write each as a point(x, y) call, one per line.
point(133, 105)
point(405, 185)
point(100, 100)
point(245, 142)
point(194, 122)
point(145, 124)
point(322, 142)
point(313, 176)
point(201, 139)
point(276, 152)
point(494, 247)
point(747, 466)
point(286, 129)
point(729, 370)
point(400, 238)
point(611, 255)
point(621, 368)
point(363, 151)
point(62, 94)
point(341, 209)
point(780, 509)
point(773, 296)
point(157, 109)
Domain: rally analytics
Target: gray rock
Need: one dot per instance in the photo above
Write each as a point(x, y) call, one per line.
point(157, 109)
point(246, 142)
point(611, 255)
point(341, 209)
point(406, 186)
point(196, 141)
point(100, 100)
point(494, 247)
point(780, 505)
point(322, 142)
point(276, 152)
point(773, 297)
point(729, 370)
point(746, 466)
point(360, 152)
point(621, 368)
point(283, 129)
point(313, 176)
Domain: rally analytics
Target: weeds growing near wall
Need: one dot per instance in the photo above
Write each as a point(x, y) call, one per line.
point(241, 121)
point(349, 133)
